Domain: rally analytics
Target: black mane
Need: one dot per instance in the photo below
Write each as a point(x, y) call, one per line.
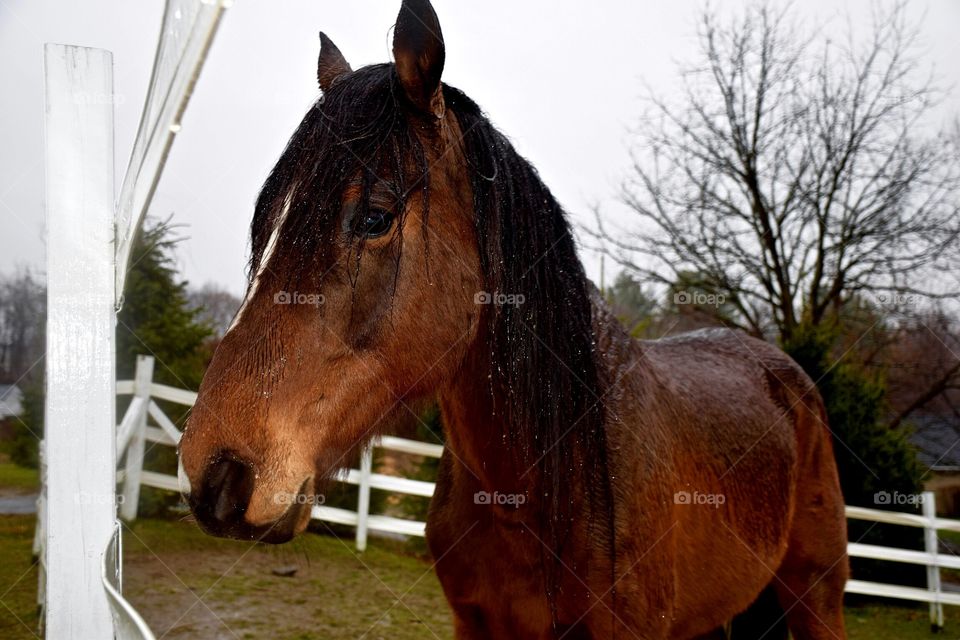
point(546, 384)
point(355, 127)
point(546, 375)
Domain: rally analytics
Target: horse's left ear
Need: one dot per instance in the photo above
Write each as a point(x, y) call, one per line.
point(419, 53)
point(331, 64)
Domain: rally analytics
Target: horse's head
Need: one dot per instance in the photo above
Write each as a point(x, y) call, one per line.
point(395, 216)
point(364, 271)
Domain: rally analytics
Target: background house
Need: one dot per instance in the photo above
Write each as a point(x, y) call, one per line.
point(938, 450)
point(11, 401)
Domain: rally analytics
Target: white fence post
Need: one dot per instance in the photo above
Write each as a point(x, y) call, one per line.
point(81, 324)
point(40, 532)
point(143, 378)
point(931, 546)
point(363, 500)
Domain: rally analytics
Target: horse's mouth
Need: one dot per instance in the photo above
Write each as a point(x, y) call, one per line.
point(283, 530)
point(222, 506)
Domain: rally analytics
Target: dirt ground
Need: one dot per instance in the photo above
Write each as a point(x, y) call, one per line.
point(190, 586)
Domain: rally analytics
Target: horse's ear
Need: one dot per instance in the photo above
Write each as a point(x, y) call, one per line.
point(419, 54)
point(331, 64)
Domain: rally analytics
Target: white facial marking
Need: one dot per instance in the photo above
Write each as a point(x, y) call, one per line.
point(268, 252)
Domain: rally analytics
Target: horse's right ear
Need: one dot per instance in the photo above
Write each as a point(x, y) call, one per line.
point(419, 53)
point(331, 64)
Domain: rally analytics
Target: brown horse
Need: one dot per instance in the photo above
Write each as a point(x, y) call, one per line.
point(592, 486)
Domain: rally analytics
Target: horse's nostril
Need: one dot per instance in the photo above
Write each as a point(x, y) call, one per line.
point(227, 488)
point(221, 503)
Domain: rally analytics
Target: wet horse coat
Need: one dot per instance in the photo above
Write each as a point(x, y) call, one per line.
point(653, 489)
point(683, 567)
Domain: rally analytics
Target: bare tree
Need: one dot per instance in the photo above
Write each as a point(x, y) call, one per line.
point(923, 368)
point(23, 305)
point(796, 173)
point(215, 307)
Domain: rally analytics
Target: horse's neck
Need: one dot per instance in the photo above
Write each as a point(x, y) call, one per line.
point(474, 432)
point(618, 351)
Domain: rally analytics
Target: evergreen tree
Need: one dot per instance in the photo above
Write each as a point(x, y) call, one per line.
point(633, 305)
point(156, 318)
point(27, 429)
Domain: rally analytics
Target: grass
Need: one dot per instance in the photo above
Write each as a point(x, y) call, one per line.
point(888, 622)
point(17, 478)
point(213, 587)
point(18, 578)
point(18, 571)
point(188, 585)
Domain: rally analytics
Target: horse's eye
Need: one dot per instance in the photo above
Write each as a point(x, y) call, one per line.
point(375, 223)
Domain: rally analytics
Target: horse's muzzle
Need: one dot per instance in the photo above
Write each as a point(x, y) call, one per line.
point(220, 503)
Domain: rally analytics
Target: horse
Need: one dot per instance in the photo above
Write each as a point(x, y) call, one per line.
point(592, 485)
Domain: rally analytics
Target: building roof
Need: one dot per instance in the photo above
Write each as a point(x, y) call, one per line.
point(11, 400)
point(937, 440)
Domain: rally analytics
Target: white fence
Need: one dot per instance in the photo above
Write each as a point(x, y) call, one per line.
point(930, 557)
point(89, 235)
point(135, 431)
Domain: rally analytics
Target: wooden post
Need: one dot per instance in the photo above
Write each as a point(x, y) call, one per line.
point(81, 323)
point(363, 501)
point(143, 378)
point(932, 547)
point(603, 284)
point(40, 532)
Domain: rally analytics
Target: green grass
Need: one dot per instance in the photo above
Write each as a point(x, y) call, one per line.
point(949, 536)
point(953, 538)
point(18, 578)
point(173, 571)
point(18, 478)
point(880, 622)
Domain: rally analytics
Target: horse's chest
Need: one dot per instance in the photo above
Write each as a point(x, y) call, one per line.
point(493, 573)
point(491, 577)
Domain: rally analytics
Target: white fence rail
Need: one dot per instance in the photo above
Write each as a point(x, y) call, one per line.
point(136, 428)
point(930, 557)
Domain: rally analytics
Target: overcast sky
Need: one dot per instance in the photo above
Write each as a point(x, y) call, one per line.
point(564, 79)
